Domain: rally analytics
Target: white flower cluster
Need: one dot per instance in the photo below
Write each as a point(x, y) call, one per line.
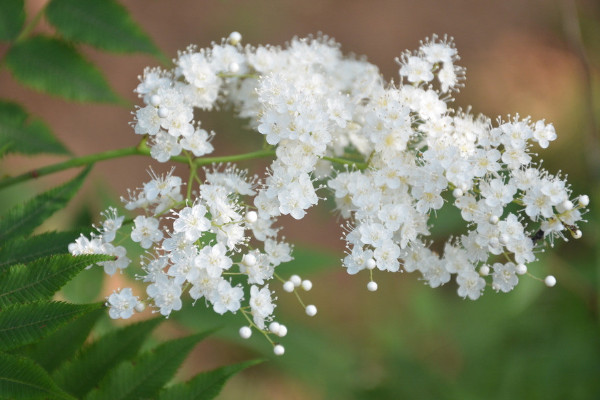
point(391, 155)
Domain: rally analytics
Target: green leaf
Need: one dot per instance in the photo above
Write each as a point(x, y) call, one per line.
point(12, 18)
point(204, 386)
point(18, 135)
point(22, 219)
point(104, 24)
point(79, 376)
point(23, 378)
point(63, 344)
point(21, 324)
point(42, 278)
point(55, 67)
point(23, 250)
point(148, 374)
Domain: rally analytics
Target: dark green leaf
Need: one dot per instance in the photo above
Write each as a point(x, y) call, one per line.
point(22, 219)
point(61, 345)
point(105, 24)
point(22, 378)
point(204, 386)
point(79, 376)
point(40, 279)
point(21, 324)
point(12, 18)
point(23, 250)
point(148, 374)
point(55, 67)
point(28, 137)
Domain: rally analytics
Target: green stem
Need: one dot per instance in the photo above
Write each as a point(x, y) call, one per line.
point(237, 157)
point(72, 163)
point(140, 150)
point(31, 25)
point(343, 161)
point(143, 150)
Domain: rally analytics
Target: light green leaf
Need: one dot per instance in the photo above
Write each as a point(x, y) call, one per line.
point(23, 250)
point(56, 348)
point(40, 279)
point(12, 18)
point(22, 378)
point(206, 385)
point(22, 324)
point(22, 219)
point(104, 24)
point(55, 67)
point(17, 135)
point(79, 376)
point(144, 377)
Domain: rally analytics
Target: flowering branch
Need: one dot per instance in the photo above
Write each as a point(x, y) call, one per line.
point(314, 107)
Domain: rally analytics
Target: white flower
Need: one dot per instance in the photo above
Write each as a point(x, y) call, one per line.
point(417, 69)
point(122, 304)
point(470, 284)
point(387, 255)
point(146, 231)
point(505, 277)
point(111, 224)
point(166, 294)
point(227, 298)
point(278, 252)
point(192, 222)
point(261, 305)
point(544, 134)
point(357, 260)
point(121, 262)
point(214, 260)
point(198, 143)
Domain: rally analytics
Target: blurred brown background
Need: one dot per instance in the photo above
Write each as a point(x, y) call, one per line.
point(518, 60)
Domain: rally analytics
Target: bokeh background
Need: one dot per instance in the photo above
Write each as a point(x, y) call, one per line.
point(532, 57)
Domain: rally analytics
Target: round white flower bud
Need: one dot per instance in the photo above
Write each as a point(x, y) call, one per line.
point(234, 38)
point(274, 327)
point(457, 193)
point(311, 310)
point(163, 112)
point(234, 67)
point(484, 270)
point(576, 234)
point(288, 286)
point(372, 286)
point(371, 263)
point(494, 219)
point(282, 331)
point(296, 280)
point(249, 260)
point(504, 238)
point(521, 269)
point(567, 205)
point(251, 217)
point(584, 200)
point(306, 285)
point(155, 100)
point(278, 350)
point(550, 281)
point(139, 307)
point(245, 332)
